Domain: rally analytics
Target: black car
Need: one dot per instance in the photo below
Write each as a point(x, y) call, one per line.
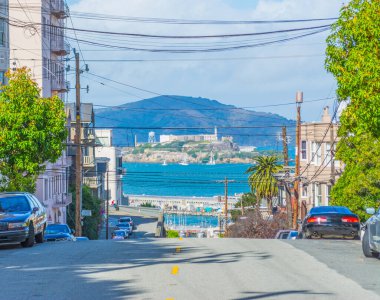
point(330, 221)
point(59, 232)
point(371, 236)
point(22, 219)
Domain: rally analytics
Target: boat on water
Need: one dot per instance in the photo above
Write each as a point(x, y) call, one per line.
point(184, 163)
point(164, 163)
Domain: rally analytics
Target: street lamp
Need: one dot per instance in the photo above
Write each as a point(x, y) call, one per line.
point(299, 100)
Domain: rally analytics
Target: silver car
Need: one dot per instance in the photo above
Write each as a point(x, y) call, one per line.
point(371, 236)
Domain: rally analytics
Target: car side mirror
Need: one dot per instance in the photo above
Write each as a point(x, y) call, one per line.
point(370, 211)
point(35, 209)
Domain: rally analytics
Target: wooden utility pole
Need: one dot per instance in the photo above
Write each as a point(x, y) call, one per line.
point(286, 185)
point(78, 158)
point(299, 100)
point(108, 212)
point(332, 142)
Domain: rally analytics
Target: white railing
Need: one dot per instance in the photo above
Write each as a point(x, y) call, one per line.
point(88, 161)
point(92, 182)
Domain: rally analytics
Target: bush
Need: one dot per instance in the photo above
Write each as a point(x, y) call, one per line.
point(172, 234)
point(255, 226)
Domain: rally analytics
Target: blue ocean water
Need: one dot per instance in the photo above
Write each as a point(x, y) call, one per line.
point(177, 180)
point(191, 220)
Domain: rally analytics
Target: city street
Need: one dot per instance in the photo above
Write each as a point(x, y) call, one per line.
point(148, 268)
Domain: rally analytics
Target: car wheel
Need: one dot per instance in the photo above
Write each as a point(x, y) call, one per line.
point(366, 248)
point(29, 242)
point(40, 238)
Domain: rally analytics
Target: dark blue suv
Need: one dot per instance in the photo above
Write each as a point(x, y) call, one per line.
point(22, 219)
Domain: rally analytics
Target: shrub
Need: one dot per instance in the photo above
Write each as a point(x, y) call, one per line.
point(172, 234)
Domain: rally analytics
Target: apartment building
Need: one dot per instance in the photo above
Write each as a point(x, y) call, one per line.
point(318, 167)
point(106, 152)
point(40, 46)
point(91, 178)
point(4, 40)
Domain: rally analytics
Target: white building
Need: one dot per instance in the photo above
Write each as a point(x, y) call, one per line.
point(105, 150)
point(40, 46)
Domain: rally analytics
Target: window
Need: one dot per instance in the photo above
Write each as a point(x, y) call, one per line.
point(328, 192)
point(2, 33)
point(313, 150)
point(303, 150)
point(319, 154)
point(327, 154)
point(318, 194)
point(304, 190)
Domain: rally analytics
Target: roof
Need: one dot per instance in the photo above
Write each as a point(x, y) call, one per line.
point(86, 112)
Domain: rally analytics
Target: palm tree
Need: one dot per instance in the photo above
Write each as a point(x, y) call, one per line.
point(262, 180)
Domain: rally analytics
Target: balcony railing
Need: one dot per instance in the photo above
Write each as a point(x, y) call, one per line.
point(60, 47)
point(58, 86)
point(59, 9)
point(62, 200)
point(88, 161)
point(92, 182)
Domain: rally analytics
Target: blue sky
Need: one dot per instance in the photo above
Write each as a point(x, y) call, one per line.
point(268, 75)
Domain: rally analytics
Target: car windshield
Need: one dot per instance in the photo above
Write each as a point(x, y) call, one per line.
point(125, 220)
point(14, 204)
point(123, 225)
point(57, 228)
point(330, 210)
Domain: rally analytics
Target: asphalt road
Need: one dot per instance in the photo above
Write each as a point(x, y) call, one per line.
point(148, 268)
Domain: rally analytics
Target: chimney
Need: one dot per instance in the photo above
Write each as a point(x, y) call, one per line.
point(326, 118)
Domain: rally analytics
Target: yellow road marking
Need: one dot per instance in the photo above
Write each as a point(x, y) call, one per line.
point(169, 299)
point(175, 270)
point(178, 249)
point(180, 239)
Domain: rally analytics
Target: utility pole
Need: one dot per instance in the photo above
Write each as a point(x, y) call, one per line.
point(225, 204)
point(78, 158)
point(299, 100)
point(286, 164)
point(108, 213)
point(332, 153)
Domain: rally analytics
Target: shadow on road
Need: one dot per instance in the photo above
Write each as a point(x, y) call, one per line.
point(263, 295)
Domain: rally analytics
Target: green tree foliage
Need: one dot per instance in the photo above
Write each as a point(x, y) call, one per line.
point(353, 57)
point(32, 132)
point(262, 181)
point(248, 200)
point(91, 225)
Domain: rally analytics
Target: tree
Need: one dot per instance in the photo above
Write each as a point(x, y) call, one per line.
point(262, 178)
point(91, 225)
point(32, 132)
point(353, 57)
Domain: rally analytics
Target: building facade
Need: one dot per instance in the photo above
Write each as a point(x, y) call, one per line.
point(36, 40)
point(318, 168)
point(105, 152)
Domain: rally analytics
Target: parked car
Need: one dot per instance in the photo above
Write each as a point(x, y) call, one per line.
point(125, 226)
point(288, 234)
point(120, 234)
point(330, 221)
point(22, 219)
point(59, 232)
point(371, 239)
point(127, 220)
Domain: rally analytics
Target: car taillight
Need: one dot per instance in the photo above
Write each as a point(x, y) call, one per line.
point(317, 220)
point(349, 219)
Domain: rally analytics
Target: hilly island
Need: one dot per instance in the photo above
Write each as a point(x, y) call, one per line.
point(193, 116)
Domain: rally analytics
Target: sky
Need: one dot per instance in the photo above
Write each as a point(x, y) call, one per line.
point(253, 77)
